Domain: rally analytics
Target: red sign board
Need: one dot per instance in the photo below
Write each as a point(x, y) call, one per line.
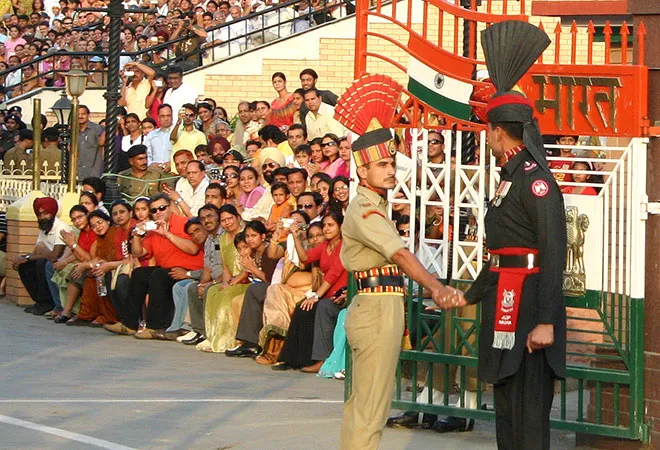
point(588, 100)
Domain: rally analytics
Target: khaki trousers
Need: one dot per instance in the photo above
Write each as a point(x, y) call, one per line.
point(374, 329)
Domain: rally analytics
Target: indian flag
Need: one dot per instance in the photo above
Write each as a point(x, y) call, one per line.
point(434, 78)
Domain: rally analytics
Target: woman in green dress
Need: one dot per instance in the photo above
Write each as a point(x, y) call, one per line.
point(218, 317)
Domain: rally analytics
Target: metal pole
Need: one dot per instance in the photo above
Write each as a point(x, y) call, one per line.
point(112, 95)
point(469, 140)
point(36, 145)
point(73, 154)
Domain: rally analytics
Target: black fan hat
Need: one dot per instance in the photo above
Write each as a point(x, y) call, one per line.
point(511, 48)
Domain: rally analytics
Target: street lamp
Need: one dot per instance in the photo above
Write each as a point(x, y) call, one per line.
point(76, 82)
point(62, 110)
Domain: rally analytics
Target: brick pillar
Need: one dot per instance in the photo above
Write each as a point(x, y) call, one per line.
point(22, 231)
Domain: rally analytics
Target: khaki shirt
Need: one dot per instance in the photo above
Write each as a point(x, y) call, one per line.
point(142, 187)
point(370, 237)
point(17, 155)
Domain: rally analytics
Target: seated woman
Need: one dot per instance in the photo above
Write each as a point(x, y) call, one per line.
point(582, 177)
point(309, 340)
point(89, 201)
point(217, 323)
point(330, 148)
point(71, 268)
point(282, 296)
point(339, 194)
point(97, 309)
point(251, 191)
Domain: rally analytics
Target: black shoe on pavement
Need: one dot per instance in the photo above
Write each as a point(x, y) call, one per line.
point(29, 309)
point(410, 419)
point(244, 351)
point(194, 340)
point(41, 308)
point(453, 424)
point(281, 366)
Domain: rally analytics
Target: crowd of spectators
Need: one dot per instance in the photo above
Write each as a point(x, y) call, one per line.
point(174, 32)
point(227, 238)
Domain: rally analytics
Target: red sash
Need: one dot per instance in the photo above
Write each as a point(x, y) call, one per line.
point(509, 295)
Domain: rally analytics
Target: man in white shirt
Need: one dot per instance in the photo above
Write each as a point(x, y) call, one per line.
point(178, 92)
point(320, 119)
point(191, 189)
point(159, 146)
point(36, 268)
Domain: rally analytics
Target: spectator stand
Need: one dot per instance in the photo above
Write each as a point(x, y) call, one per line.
point(222, 41)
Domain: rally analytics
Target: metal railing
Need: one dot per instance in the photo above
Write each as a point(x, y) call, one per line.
point(230, 39)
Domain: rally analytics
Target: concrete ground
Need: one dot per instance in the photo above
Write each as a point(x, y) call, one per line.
point(77, 388)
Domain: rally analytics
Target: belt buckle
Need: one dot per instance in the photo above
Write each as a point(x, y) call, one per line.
point(495, 260)
point(530, 261)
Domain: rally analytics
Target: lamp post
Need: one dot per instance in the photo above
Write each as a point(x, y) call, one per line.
point(76, 82)
point(62, 111)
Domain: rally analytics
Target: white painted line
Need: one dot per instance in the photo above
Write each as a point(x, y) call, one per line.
point(63, 433)
point(175, 400)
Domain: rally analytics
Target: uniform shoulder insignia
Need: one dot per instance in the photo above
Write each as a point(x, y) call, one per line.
point(529, 166)
point(373, 211)
point(540, 188)
point(366, 204)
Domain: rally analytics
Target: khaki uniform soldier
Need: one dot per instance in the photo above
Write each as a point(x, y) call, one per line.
point(374, 251)
point(147, 184)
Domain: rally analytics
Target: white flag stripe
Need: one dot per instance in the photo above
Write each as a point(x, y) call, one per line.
point(452, 88)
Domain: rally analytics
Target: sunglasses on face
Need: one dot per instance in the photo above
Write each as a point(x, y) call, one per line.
point(160, 208)
point(404, 232)
point(434, 141)
point(341, 188)
point(189, 115)
point(305, 206)
point(329, 144)
point(233, 176)
point(270, 165)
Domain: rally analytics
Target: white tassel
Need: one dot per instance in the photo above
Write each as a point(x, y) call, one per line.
point(504, 340)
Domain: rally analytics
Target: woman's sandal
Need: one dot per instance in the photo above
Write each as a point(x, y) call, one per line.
point(61, 318)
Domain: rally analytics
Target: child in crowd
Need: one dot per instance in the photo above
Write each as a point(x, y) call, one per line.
point(582, 177)
point(281, 209)
point(202, 154)
point(303, 155)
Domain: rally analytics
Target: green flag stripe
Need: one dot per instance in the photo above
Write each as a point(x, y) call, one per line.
point(441, 103)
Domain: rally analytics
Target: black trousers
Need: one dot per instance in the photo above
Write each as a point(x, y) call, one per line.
point(119, 295)
point(33, 276)
point(297, 350)
point(251, 321)
point(156, 282)
point(522, 405)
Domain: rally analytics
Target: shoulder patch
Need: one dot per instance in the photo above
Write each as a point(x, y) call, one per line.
point(529, 166)
point(540, 188)
point(373, 211)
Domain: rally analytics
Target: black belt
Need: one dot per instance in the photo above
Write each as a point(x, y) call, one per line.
point(379, 281)
point(527, 261)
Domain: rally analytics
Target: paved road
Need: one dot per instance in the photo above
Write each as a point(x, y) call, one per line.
point(80, 388)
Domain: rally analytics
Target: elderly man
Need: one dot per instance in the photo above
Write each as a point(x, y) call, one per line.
point(244, 119)
point(139, 180)
point(36, 268)
point(190, 194)
point(171, 247)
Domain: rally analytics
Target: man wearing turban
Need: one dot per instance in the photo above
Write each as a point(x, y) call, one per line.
point(36, 269)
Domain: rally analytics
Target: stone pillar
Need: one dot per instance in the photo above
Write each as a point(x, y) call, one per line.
point(22, 231)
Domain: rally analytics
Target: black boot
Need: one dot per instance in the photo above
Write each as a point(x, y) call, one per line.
point(410, 419)
point(453, 424)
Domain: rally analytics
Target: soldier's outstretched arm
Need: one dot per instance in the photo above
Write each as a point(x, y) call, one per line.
point(411, 266)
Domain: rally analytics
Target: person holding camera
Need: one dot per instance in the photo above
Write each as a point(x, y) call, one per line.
point(187, 50)
point(135, 87)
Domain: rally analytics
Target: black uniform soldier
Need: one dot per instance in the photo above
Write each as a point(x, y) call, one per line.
point(522, 343)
